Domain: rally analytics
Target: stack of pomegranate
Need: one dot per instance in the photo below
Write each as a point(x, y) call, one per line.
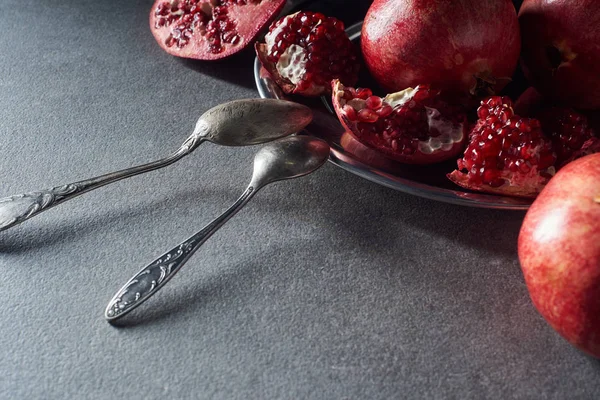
point(440, 58)
point(447, 64)
point(468, 51)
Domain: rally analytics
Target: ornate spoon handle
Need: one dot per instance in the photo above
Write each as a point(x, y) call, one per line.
point(152, 277)
point(19, 208)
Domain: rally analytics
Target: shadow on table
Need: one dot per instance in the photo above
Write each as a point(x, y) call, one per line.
point(351, 205)
point(237, 69)
point(217, 290)
point(60, 230)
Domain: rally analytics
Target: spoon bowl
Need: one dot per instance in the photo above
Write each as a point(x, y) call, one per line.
point(251, 121)
point(288, 158)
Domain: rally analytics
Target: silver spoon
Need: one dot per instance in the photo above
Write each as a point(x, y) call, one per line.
point(283, 159)
point(236, 123)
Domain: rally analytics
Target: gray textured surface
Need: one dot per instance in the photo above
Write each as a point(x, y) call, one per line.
point(325, 287)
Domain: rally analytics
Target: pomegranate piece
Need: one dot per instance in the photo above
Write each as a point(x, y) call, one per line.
point(414, 126)
point(305, 51)
point(567, 128)
point(507, 154)
point(459, 45)
point(561, 50)
point(210, 29)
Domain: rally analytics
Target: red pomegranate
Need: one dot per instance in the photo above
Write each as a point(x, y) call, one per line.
point(305, 51)
point(460, 45)
point(559, 251)
point(210, 29)
point(561, 49)
point(414, 126)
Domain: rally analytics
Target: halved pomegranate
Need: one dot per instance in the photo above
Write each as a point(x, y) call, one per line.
point(414, 126)
point(507, 154)
point(210, 29)
point(305, 51)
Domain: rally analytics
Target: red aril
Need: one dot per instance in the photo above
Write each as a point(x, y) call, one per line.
point(209, 29)
point(561, 50)
point(507, 154)
point(460, 45)
point(414, 126)
point(559, 251)
point(567, 128)
point(305, 51)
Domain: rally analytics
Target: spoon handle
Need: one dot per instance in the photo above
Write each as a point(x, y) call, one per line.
point(155, 275)
point(21, 207)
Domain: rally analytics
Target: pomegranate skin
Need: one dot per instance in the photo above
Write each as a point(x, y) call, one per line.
point(561, 50)
point(559, 251)
point(456, 45)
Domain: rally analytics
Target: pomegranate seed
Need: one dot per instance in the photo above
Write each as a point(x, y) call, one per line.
point(366, 115)
point(363, 93)
point(523, 125)
point(374, 102)
point(385, 111)
point(482, 112)
point(350, 113)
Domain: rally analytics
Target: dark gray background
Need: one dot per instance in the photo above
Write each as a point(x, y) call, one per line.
point(327, 287)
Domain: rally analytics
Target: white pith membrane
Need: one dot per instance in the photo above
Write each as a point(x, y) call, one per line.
point(292, 63)
point(528, 185)
point(450, 133)
point(532, 178)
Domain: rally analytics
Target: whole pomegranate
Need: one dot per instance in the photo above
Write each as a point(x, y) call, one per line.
point(559, 251)
point(210, 29)
point(460, 45)
point(414, 126)
point(561, 49)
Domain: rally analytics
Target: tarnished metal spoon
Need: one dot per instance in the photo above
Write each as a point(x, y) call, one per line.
point(283, 159)
point(236, 123)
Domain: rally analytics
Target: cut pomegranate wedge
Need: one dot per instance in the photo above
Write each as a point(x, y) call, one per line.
point(507, 154)
point(305, 51)
point(210, 29)
point(568, 129)
point(414, 126)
